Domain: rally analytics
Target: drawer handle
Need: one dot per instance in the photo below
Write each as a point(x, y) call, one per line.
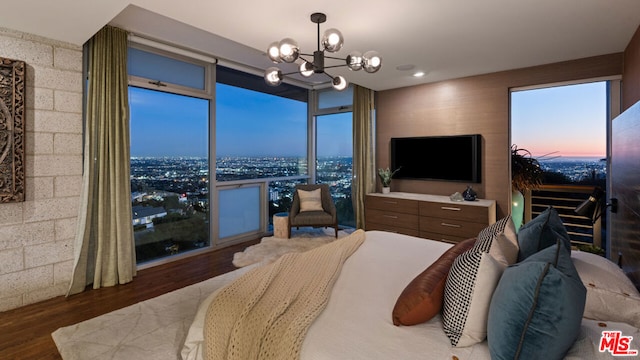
point(450, 208)
point(390, 202)
point(390, 216)
point(450, 225)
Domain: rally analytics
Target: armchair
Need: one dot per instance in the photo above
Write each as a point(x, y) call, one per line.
point(314, 212)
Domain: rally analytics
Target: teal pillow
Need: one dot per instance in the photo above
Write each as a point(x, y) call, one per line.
point(542, 231)
point(537, 307)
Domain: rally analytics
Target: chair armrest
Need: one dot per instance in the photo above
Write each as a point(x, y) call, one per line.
point(327, 204)
point(295, 207)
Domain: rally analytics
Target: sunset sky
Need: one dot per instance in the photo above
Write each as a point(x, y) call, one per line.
point(561, 121)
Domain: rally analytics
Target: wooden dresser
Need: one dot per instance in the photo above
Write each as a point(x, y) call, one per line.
point(433, 217)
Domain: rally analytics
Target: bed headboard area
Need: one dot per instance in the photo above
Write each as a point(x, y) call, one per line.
point(625, 186)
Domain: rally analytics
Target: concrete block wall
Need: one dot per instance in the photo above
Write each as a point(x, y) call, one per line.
point(37, 235)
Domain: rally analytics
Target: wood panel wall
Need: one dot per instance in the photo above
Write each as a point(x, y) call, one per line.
point(471, 105)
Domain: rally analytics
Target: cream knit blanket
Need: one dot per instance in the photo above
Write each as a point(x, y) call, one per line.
point(265, 313)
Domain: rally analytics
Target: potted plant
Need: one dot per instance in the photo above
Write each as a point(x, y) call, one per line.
point(385, 177)
point(526, 174)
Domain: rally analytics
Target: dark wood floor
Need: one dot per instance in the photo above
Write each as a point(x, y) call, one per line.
point(25, 333)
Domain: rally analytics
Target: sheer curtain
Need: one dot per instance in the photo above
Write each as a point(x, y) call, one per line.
point(364, 172)
point(104, 247)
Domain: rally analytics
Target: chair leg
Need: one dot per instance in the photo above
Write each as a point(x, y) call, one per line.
point(336, 231)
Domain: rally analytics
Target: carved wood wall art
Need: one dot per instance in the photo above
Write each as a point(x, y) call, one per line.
point(12, 92)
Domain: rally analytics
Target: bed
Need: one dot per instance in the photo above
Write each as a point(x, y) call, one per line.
point(357, 322)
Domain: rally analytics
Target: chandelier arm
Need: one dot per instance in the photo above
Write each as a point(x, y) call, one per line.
point(335, 58)
point(335, 66)
point(290, 73)
point(300, 57)
point(297, 72)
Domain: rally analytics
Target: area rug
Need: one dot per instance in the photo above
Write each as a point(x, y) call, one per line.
point(152, 329)
point(271, 248)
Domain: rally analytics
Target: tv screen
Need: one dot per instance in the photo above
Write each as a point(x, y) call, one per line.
point(449, 158)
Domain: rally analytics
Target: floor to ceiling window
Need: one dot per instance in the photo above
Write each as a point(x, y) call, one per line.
point(189, 117)
point(169, 173)
point(334, 149)
point(261, 152)
point(169, 123)
point(334, 164)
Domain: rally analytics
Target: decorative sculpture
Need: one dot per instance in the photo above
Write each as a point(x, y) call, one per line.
point(12, 132)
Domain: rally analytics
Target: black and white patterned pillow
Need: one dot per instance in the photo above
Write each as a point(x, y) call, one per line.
point(500, 240)
point(472, 279)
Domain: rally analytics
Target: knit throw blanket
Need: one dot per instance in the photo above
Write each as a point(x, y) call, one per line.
point(266, 313)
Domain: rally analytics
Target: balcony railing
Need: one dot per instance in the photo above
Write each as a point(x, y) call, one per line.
point(565, 198)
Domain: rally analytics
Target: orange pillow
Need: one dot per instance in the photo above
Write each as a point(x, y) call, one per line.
point(422, 298)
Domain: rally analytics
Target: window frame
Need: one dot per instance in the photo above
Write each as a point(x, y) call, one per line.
point(613, 109)
point(208, 93)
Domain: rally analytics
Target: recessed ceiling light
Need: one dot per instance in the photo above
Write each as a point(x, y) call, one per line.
point(419, 74)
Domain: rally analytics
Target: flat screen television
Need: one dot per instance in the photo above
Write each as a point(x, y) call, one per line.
point(448, 158)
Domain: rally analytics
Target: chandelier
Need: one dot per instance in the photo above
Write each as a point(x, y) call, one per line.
point(287, 51)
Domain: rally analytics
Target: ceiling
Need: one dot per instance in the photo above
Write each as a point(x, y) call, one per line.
point(444, 38)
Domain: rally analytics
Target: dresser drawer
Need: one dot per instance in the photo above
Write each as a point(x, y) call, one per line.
point(455, 211)
point(392, 204)
point(389, 218)
point(442, 237)
point(450, 226)
point(393, 229)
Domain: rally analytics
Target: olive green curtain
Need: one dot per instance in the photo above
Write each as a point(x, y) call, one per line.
point(364, 174)
point(104, 248)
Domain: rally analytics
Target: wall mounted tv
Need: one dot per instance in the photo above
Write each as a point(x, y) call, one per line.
point(448, 158)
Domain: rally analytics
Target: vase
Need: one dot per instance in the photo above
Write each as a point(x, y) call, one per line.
point(517, 208)
point(470, 194)
point(386, 189)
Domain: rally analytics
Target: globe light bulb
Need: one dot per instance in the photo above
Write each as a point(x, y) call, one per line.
point(273, 76)
point(354, 60)
point(372, 61)
point(306, 69)
point(339, 83)
point(273, 51)
point(332, 40)
point(289, 50)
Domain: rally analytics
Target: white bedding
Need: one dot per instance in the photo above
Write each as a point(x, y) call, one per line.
point(357, 324)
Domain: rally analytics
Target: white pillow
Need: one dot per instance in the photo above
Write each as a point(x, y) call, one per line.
point(598, 271)
point(310, 200)
point(472, 280)
point(468, 291)
point(611, 296)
